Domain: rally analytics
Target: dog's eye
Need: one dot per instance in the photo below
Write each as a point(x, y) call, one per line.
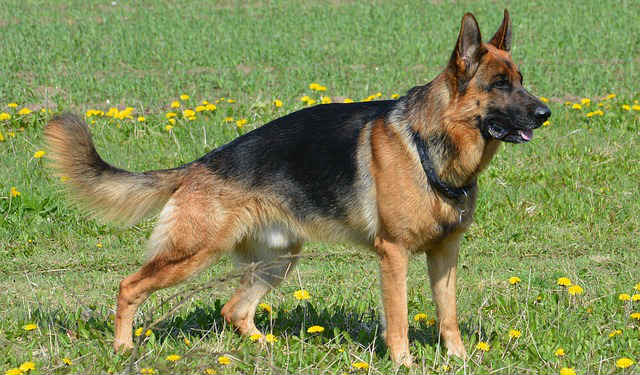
point(502, 84)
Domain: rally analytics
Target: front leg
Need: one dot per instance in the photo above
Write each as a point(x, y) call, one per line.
point(442, 261)
point(393, 274)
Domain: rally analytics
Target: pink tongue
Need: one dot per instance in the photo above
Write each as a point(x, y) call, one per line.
point(526, 134)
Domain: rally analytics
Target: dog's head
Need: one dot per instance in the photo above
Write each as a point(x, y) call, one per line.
point(483, 75)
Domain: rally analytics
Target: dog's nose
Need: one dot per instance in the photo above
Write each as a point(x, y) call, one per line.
point(542, 113)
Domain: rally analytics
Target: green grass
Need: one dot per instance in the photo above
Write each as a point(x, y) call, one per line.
point(566, 204)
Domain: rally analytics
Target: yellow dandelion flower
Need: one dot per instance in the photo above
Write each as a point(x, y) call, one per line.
point(148, 371)
point(576, 106)
point(210, 107)
point(209, 371)
point(635, 315)
point(624, 362)
point(546, 123)
point(171, 115)
point(277, 103)
point(5, 116)
point(610, 96)
point(184, 97)
point(626, 107)
point(567, 371)
point(11, 134)
point(431, 322)
point(585, 101)
point(543, 99)
point(12, 105)
point(325, 100)
point(575, 290)
point(172, 121)
point(564, 281)
point(615, 333)
point(636, 107)
point(187, 342)
point(175, 104)
point(635, 297)
point(13, 371)
point(315, 329)
point(311, 102)
point(483, 346)
point(29, 327)
point(1, 137)
point(559, 352)
point(360, 365)
point(141, 119)
point(255, 337)
point(242, 122)
point(301, 294)
point(395, 96)
point(14, 192)
point(624, 297)
point(39, 154)
point(27, 366)
point(188, 113)
point(67, 361)
point(173, 357)
point(420, 317)
point(271, 338)
point(637, 287)
point(201, 108)
point(112, 112)
point(138, 331)
point(305, 99)
point(228, 119)
point(204, 102)
point(191, 118)
point(514, 334)
point(99, 245)
point(231, 100)
point(590, 114)
point(317, 87)
point(348, 100)
point(224, 360)
point(265, 307)
point(168, 128)
point(513, 280)
point(26, 111)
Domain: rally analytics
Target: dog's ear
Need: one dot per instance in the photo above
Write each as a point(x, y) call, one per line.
point(466, 56)
point(502, 38)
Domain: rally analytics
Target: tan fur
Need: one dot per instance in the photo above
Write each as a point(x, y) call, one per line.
point(121, 198)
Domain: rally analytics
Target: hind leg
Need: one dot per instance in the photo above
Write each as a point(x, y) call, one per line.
point(267, 266)
point(161, 272)
point(191, 233)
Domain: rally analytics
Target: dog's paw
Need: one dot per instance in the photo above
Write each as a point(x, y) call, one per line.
point(458, 351)
point(403, 359)
point(120, 347)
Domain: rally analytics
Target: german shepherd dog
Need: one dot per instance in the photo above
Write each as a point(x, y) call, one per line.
point(398, 176)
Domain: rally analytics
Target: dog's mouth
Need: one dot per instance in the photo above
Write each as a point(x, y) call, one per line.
point(509, 135)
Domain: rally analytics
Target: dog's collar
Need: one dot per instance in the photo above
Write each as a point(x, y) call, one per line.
point(452, 192)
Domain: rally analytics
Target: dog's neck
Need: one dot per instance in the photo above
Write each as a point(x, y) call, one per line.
point(450, 135)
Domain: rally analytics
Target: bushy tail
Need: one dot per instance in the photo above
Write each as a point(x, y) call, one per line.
point(109, 192)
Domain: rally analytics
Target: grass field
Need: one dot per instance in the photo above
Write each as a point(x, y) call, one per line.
point(564, 205)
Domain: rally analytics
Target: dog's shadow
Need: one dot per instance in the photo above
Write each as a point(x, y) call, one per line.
point(341, 325)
